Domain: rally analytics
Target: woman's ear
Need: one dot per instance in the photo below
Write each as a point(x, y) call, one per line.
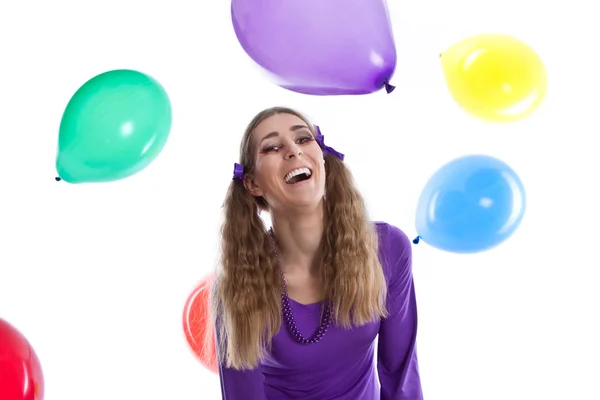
point(252, 187)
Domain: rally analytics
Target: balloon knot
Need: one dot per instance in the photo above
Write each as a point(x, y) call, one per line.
point(389, 88)
point(417, 240)
point(58, 179)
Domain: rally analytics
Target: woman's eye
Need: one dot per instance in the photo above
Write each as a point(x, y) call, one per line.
point(276, 148)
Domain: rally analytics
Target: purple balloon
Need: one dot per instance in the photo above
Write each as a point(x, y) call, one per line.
point(319, 47)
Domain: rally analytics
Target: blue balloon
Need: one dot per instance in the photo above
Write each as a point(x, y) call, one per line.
point(470, 205)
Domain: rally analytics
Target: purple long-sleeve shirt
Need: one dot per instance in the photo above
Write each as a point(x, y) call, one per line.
point(341, 365)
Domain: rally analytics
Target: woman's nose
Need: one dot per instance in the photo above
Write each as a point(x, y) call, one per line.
point(293, 152)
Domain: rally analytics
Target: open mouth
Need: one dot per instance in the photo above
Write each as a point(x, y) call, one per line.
point(298, 175)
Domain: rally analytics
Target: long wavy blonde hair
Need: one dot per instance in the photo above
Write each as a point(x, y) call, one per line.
point(246, 297)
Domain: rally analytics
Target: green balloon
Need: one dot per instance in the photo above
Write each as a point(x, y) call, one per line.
point(114, 126)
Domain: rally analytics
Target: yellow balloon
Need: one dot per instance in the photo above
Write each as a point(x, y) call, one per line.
point(495, 77)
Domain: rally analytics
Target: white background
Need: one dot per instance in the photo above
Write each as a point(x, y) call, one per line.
point(96, 276)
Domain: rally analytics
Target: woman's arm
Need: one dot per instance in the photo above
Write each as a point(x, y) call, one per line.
point(397, 363)
point(240, 385)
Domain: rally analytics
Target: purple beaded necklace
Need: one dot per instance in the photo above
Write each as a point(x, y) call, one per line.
point(287, 308)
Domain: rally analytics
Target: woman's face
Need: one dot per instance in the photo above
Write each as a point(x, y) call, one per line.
point(290, 170)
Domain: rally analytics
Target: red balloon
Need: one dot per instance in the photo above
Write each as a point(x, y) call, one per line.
point(197, 324)
point(21, 375)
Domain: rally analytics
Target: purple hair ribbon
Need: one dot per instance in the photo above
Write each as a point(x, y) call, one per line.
point(326, 149)
point(238, 171)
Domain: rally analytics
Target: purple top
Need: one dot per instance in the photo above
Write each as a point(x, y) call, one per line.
point(341, 365)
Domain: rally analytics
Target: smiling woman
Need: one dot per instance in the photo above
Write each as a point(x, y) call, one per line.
point(279, 156)
point(335, 279)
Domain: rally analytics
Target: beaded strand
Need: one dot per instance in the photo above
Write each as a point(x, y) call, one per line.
point(287, 308)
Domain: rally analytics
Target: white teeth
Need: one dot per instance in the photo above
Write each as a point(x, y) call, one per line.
point(297, 172)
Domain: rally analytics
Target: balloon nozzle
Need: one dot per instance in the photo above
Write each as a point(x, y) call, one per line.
point(389, 88)
point(58, 179)
point(417, 240)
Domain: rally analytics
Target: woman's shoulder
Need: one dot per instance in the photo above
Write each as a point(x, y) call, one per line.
point(395, 248)
point(391, 235)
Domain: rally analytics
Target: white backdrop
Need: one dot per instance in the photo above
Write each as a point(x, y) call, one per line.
point(96, 275)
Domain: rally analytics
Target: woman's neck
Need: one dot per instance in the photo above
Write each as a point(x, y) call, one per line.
point(299, 240)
